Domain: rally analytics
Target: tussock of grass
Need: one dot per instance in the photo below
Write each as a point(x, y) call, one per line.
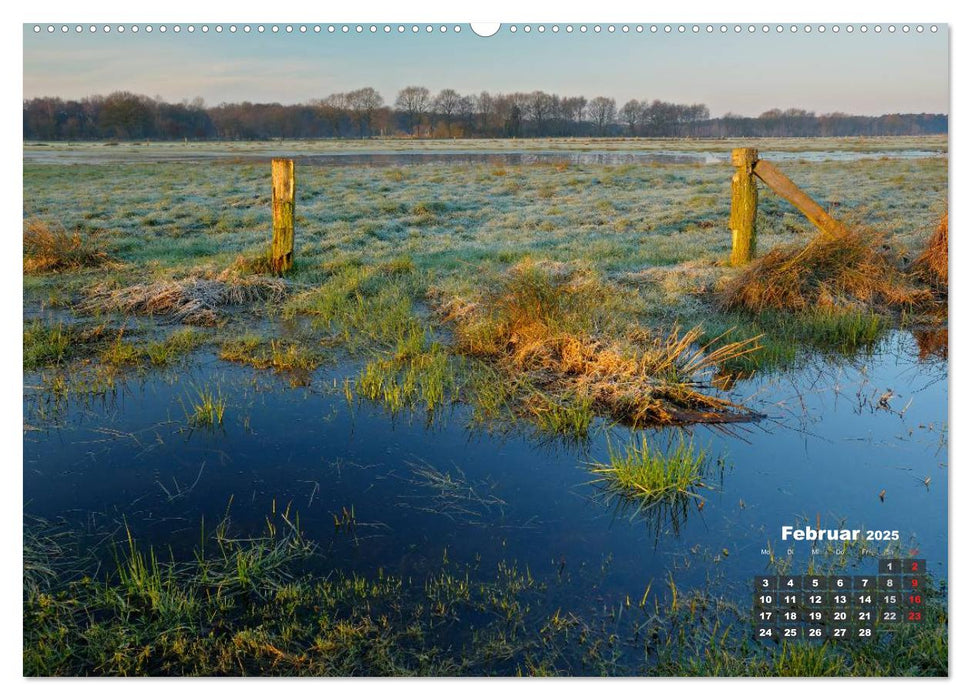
point(362, 305)
point(49, 248)
point(548, 323)
point(932, 262)
point(50, 344)
point(570, 419)
point(120, 352)
point(417, 373)
point(852, 270)
point(207, 407)
point(193, 300)
point(283, 356)
point(176, 345)
point(641, 470)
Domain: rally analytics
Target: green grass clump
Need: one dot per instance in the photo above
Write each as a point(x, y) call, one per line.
point(120, 353)
point(207, 407)
point(641, 470)
point(46, 344)
point(570, 418)
point(417, 373)
point(361, 305)
point(290, 357)
point(177, 345)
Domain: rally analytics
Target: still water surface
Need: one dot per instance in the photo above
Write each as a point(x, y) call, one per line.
point(826, 450)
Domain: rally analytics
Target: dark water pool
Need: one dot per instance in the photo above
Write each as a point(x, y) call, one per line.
point(421, 491)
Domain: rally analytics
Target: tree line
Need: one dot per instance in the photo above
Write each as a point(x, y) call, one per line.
point(418, 112)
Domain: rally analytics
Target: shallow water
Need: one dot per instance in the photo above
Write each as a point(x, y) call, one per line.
point(135, 155)
point(826, 450)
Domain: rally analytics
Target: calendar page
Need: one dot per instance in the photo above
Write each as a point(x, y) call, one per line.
point(396, 348)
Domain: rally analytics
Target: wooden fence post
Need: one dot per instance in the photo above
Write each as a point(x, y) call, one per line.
point(786, 189)
point(284, 191)
point(745, 201)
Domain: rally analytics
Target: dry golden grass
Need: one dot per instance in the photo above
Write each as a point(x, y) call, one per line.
point(850, 271)
point(193, 300)
point(255, 264)
point(547, 323)
point(932, 263)
point(50, 248)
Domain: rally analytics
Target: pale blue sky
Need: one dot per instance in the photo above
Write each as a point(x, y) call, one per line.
point(859, 73)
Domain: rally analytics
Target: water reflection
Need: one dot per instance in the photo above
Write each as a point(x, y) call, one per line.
point(68, 156)
point(398, 496)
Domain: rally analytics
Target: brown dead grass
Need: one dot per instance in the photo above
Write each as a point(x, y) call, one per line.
point(932, 263)
point(252, 264)
point(50, 248)
point(850, 271)
point(193, 300)
point(546, 323)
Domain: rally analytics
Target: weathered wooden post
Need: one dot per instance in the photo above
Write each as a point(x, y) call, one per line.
point(284, 191)
point(787, 189)
point(745, 201)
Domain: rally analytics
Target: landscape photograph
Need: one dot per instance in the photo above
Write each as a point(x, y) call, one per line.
point(425, 350)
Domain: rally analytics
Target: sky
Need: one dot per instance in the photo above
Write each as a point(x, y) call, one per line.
point(871, 73)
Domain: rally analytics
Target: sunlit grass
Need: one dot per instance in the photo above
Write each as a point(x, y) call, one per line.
point(207, 407)
point(175, 346)
point(640, 469)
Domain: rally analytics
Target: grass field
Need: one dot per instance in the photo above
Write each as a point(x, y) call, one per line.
point(652, 238)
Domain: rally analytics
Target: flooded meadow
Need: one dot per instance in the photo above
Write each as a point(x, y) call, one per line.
point(500, 418)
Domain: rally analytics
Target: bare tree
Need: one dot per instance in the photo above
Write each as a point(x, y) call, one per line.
point(332, 109)
point(572, 109)
point(414, 101)
point(486, 106)
point(603, 111)
point(466, 110)
point(446, 104)
point(633, 114)
point(540, 107)
point(363, 102)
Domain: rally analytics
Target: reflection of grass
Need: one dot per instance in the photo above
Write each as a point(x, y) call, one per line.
point(646, 472)
point(248, 605)
point(787, 338)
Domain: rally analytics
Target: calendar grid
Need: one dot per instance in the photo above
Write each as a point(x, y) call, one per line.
point(840, 607)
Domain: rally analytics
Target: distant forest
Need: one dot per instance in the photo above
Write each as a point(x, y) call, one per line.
point(417, 112)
